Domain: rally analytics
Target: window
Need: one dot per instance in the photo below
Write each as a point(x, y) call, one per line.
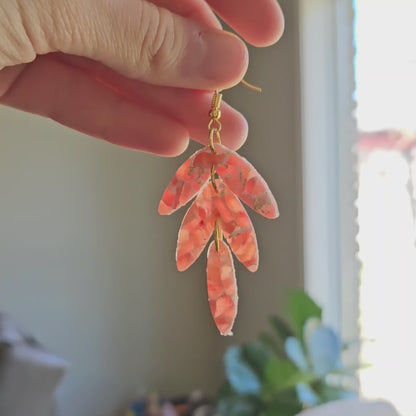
point(385, 69)
point(358, 84)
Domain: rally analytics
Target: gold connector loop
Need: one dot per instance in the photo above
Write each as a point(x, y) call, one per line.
point(214, 124)
point(214, 134)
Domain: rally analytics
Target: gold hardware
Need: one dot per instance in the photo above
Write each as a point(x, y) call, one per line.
point(214, 127)
point(217, 236)
point(215, 112)
point(213, 178)
point(212, 133)
point(251, 86)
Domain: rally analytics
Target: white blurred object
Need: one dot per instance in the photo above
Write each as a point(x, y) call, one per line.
point(352, 408)
point(29, 374)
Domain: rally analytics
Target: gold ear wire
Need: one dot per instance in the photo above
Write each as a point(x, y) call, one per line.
point(250, 86)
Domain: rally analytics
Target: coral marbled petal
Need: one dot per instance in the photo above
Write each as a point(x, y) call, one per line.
point(236, 226)
point(196, 229)
point(186, 182)
point(222, 287)
point(244, 180)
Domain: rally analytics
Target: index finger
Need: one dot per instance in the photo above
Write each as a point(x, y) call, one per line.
point(259, 22)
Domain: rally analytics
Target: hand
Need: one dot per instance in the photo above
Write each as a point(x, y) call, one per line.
point(133, 72)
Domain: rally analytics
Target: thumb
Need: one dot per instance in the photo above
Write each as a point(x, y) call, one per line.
point(140, 40)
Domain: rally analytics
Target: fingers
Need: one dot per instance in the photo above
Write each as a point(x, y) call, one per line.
point(65, 94)
point(191, 9)
point(259, 22)
point(140, 40)
point(190, 107)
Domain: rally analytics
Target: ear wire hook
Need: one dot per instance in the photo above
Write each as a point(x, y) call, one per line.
point(250, 86)
point(214, 131)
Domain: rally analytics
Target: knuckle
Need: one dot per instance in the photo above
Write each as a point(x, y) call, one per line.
point(161, 45)
point(16, 46)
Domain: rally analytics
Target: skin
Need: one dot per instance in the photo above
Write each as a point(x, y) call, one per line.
point(135, 73)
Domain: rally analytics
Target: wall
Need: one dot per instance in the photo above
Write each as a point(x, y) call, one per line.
point(88, 265)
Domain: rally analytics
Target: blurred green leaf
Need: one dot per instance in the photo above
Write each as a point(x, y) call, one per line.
point(281, 328)
point(276, 346)
point(282, 374)
point(256, 356)
point(240, 375)
point(263, 380)
point(237, 406)
point(300, 308)
point(225, 391)
point(330, 393)
point(285, 403)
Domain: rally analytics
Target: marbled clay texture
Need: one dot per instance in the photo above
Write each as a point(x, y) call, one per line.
point(236, 226)
point(243, 179)
point(222, 287)
point(198, 225)
point(187, 181)
point(196, 229)
point(237, 179)
point(237, 173)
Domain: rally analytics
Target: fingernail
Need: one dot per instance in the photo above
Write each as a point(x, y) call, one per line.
point(220, 59)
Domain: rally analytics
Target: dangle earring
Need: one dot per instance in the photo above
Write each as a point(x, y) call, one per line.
point(219, 178)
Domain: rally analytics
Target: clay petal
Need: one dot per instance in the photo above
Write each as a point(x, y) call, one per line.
point(244, 180)
point(196, 229)
point(186, 182)
point(236, 226)
point(222, 287)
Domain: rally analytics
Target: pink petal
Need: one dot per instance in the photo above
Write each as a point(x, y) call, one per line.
point(196, 228)
point(236, 226)
point(243, 179)
point(186, 182)
point(222, 287)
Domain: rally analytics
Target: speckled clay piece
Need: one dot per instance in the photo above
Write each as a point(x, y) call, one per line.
point(219, 204)
point(198, 225)
point(244, 180)
point(196, 229)
point(222, 287)
point(237, 173)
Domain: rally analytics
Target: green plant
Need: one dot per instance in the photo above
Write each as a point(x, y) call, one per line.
point(296, 365)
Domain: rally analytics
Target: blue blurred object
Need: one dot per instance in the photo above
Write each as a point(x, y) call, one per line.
point(139, 408)
point(296, 354)
point(306, 395)
point(324, 349)
point(242, 378)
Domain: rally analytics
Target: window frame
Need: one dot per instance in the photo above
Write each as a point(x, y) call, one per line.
point(329, 133)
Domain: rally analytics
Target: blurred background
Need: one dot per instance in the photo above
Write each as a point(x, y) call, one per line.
point(88, 265)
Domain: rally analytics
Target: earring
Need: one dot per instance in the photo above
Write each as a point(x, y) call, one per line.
point(219, 178)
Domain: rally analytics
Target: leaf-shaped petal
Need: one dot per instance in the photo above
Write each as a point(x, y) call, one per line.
point(236, 226)
point(324, 349)
point(244, 180)
point(240, 375)
point(222, 287)
point(196, 229)
point(187, 181)
point(306, 395)
point(296, 354)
